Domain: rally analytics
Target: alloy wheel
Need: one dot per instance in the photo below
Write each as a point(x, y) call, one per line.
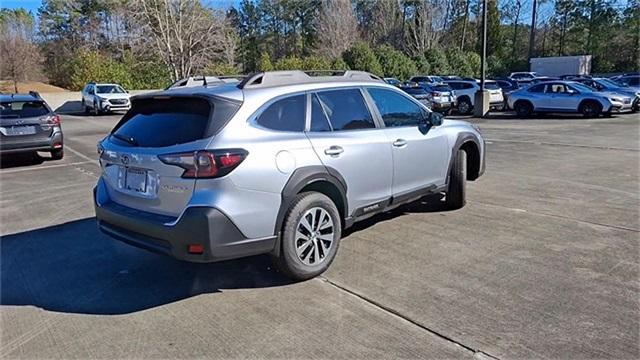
point(314, 236)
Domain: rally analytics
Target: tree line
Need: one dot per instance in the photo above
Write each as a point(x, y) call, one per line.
point(149, 43)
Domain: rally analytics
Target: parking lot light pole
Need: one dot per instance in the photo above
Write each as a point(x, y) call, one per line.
point(481, 103)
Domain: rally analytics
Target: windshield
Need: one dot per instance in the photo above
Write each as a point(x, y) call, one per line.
point(581, 87)
point(109, 89)
point(22, 109)
point(608, 83)
point(437, 79)
point(442, 87)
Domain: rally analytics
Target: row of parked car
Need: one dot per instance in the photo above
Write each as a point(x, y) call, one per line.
point(528, 93)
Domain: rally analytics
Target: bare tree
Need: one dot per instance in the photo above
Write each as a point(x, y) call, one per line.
point(426, 22)
point(336, 28)
point(185, 34)
point(20, 57)
point(513, 10)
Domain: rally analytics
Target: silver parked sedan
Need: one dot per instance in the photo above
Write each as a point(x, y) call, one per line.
point(566, 97)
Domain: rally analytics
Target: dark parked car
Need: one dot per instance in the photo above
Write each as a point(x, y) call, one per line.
point(27, 124)
point(419, 93)
point(442, 97)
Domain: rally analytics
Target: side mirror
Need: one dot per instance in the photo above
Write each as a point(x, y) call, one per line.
point(435, 118)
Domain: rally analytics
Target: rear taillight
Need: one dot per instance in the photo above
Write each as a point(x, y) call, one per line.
point(204, 164)
point(52, 120)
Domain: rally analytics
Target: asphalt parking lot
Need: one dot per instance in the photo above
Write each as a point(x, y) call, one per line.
point(543, 262)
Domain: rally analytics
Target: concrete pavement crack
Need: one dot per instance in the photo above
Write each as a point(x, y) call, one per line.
point(475, 352)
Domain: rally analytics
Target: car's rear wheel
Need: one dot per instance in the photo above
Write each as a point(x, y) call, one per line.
point(464, 106)
point(57, 154)
point(456, 193)
point(590, 109)
point(96, 110)
point(310, 236)
point(523, 109)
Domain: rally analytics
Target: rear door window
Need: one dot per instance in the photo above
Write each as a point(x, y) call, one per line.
point(22, 109)
point(537, 88)
point(160, 122)
point(346, 109)
point(286, 114)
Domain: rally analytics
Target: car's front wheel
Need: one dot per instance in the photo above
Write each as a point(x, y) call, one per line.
point(590, 109)
point(310, 236)
point(455, 198)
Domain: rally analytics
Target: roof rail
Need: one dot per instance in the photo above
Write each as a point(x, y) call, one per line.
point(291, 77)
point(35, 94)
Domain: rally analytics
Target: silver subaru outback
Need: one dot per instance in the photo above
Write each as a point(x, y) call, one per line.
point(280, 163)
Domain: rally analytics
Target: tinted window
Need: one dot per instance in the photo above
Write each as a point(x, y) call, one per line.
point(395, 109)
point(634, 81)
point(22, 109)
point(420, 79)
point(284, 115)
point(442, 87)
point(491, 86)
point(166, 122)
point(454, 85)
point(537, 88)
point(346, 109)
point(319, 121)
point(414, 90)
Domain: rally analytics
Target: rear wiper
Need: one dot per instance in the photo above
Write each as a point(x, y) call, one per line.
point(128, 139)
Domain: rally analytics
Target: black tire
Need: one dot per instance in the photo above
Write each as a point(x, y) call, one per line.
point(287, 259)
point(464, 106)
point(57, 154)
point(96, 111)
point(85, 108)
point(590, 109)
point(523, 109)
point(456, 193)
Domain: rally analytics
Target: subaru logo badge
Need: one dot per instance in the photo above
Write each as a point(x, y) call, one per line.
point(124, 159)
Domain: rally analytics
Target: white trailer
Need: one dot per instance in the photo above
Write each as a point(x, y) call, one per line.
point(561, 65)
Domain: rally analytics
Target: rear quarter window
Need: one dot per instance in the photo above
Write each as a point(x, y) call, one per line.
point(286, 114)
point(160, 122)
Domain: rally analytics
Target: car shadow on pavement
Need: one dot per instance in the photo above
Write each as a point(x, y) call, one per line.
point(73, 268)
point(22, 159)
point(427, 204)
point(70, 107)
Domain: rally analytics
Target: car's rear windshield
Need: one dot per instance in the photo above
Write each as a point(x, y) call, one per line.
point(442, 87)
point(22, 109)
point(160, 122)
point(414, 90)
point(491, 85)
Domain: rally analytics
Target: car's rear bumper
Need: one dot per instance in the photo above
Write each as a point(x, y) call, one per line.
point(205, 226)
point(10, 145)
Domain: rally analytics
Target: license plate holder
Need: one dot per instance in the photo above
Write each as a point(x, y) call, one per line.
point(19, 130)
point(135, 180)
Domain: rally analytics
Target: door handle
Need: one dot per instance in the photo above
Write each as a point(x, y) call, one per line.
point(400, 143)
point(334, 150)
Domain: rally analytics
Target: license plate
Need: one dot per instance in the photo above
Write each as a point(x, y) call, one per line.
point(19, 130)
point(136, 180)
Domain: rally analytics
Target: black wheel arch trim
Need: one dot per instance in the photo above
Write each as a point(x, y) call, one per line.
point(302, 177)
point(464, 137)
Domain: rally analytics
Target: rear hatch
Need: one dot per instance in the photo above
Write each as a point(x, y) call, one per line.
point(495, 92)
point(134, 155)
point(24, 122)
point(442, 93)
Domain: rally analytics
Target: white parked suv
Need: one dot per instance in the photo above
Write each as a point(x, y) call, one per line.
point(99, 98)
point(465, 91)
point(280, 163)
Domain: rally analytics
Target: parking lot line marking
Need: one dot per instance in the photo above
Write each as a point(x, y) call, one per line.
point(43, 167)
point(80, 154)
point(563, 144)
point(376, 304)
point(618, 227)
